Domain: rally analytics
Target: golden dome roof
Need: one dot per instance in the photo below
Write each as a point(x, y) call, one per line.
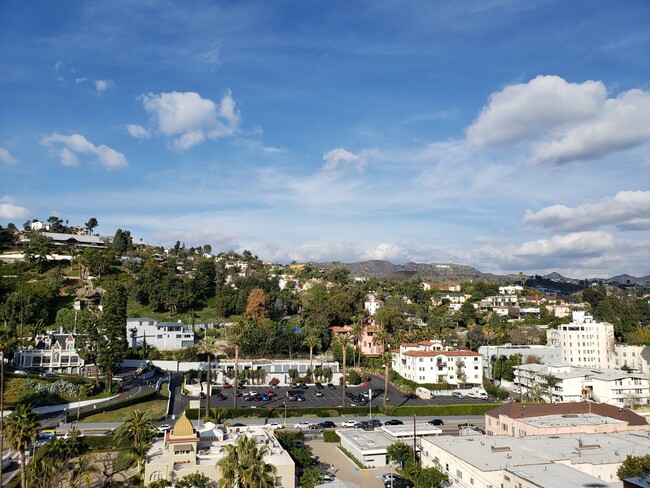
point(183, 427)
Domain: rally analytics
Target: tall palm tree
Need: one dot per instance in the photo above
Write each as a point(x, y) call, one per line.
point(344, 340)
point(19, 432)
point(357, 332)
point(387, 360)
point(311, 340)
point(209, 346)
point(243, 466)
point(138, 430)
point(236, 337)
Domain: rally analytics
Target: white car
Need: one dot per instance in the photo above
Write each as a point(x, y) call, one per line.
point(472, 394)
point(275, 425)
point(349, 423)
point(302, 425)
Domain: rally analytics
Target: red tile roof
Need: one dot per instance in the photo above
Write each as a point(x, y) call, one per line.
point(421, 353)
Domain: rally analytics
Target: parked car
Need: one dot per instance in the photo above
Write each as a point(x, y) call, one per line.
point(304, 386)
point(164, 428)
point(227, 385)
point(331, 386)
point(389, 476)
point(467, 426)
point(264, 398)
point(300, 398)
point(394, 422)
point(349, 423)
point(221, 396)
point(398, 483)
point(275, 425)
point(319, 386)
point(436, 422)
point(374, 423)
point(318, 394)
point(458, 394)
point(327, 424)
point(272, 394)
point(201, 394)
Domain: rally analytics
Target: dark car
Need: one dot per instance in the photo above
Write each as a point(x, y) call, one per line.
point(394, 422)
point(331, 386)
point(221, 396)
point(319, 386)
point(436, 422)
point(327, 424)
point(201, 394)
point(374, 423)
point(398, 483)
point(351, 395)
point(304, 386)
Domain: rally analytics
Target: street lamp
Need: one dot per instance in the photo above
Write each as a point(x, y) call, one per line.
point(285, 414)
point(370, 403)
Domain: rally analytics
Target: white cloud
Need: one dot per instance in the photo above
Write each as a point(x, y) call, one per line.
point(567, 121)
point(192, 118)
point(138, 131)
point(531, 109)
point(102, 85)
point(80, 80)
point(627, 210)
point(622, 123)
point(7, 158)
point(70, 147)
point(9, 211)
point(340, 159)
point(575, 244)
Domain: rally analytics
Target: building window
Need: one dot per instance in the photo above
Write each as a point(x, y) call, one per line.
point(459, 474)
point(278, 481)
point(156, 475)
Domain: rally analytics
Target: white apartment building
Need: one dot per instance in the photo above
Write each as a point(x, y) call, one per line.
point(575, 384)
point(430, 362)
point(585, 342)
point(547, 354)
point(373, 304)
point(634, 358)
point(165, 336)
point(510, 289)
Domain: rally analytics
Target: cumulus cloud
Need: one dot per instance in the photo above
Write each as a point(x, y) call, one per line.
point(568, 121)
point(575, 244)
point(530, 109)
point(623, 122)
point(9, 211)
point(340, 159)
point(7, 158)
point(190, 118)
point(627, 210)
point(138, 131)
point(70, 147)
point(102, 85)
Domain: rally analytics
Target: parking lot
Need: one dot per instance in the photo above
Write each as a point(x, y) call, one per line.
point(325, 397)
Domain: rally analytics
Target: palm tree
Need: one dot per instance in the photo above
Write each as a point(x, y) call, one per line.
point(138, 431)
point(236, 338)
point(357, 332)
point(19, 432)
point(344, 340)
point(311, 340)
point(243, 466)
point(209, 346)
point(387, 359)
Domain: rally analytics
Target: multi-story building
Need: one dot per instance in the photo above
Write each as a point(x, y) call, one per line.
point(585, 342)
point(164, 336)
point(546, 354)
point(431, 362)
point(372, 305)
point(54, 351)
point(574, 384)
point(632, 358)
point(185, 450)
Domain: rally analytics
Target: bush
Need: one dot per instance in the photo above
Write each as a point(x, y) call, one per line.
point(354, 378)
point(331, 436)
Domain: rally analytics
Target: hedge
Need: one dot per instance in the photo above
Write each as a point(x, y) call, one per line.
point(405, 411)
point(109, 407)
point(331, 436)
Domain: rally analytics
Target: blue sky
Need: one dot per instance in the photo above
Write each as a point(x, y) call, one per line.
point(507, 135)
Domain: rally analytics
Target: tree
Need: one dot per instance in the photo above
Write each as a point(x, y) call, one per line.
point(311, 340)
point(256, 306)
point(634, 467)
point(209, 346)
point(91, 224)
point(236, 337)
point(243, 466)
point(387, 360)
point(112, 331)
point(345, 341)
point(549, 384)
point(122, 241)
point(207, 249)
point(38, 248)
point(399, 452)
point(19, 433)
point(195, 480)
point(138, 431)
point(311, 477)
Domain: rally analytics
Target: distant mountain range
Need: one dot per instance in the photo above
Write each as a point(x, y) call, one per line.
point(445, 272)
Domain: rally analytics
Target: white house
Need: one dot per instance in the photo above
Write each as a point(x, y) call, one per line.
point(165, 336)
point(53, 351)
point(372, 305)
point(430, 362)
point(510, 289)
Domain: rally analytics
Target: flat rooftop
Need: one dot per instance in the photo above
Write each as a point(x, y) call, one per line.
point(553, 475)
point(490, 453)
point(569, 420)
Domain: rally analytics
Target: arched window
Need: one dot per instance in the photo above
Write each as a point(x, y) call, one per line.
point(156, 475)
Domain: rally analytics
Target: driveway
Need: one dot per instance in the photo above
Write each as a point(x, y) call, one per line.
point(344, 468)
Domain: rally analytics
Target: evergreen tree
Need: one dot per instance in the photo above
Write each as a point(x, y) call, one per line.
point(112, 331)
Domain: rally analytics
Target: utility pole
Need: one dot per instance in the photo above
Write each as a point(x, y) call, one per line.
point(415, 457)
point(370, 402)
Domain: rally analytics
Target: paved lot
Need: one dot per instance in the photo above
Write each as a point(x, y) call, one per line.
point(344, 468)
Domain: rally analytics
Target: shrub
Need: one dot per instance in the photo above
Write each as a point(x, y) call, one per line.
point(331, 436)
